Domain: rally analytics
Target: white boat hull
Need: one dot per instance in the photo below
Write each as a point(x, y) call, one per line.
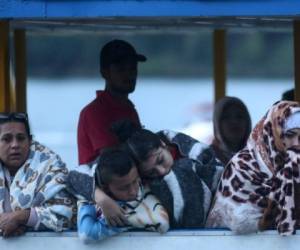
point(173, 240)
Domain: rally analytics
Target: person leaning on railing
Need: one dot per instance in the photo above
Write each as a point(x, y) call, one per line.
point(259, 188)
point(115, 173)
point(180, 171)
point(32, 181)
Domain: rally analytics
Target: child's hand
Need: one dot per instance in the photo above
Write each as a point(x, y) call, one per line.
point(113, 213)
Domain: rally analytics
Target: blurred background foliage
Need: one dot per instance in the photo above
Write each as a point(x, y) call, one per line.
point(249, 54)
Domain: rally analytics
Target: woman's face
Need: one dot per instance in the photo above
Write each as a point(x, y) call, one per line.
point(233, 124)
point(158, 164)
point(14, 145)
point(291, 138)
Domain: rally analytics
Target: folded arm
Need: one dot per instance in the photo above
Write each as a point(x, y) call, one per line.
point(91, 228)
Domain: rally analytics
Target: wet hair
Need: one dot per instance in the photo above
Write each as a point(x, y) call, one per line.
point(138, 142)
point(112, 162)
point(16, 117)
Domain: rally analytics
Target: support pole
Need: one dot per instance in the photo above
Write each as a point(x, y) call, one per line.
point(296, 27)
point(20, 71)
point(219, 40)
point(4, 67)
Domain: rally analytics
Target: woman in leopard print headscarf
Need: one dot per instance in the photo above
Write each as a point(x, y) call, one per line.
point(260, 183)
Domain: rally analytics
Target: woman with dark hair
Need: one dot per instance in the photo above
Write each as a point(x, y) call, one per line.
point(32, 181)
point(232, 126)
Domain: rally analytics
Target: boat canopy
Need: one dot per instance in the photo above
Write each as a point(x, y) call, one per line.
point(149, 14)
point(17, 17)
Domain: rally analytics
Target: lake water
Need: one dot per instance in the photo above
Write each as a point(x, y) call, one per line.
point(178, 104)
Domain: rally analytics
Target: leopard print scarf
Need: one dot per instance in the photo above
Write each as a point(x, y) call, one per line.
point(263, 171)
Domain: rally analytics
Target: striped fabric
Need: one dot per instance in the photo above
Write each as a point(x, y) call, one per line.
point(186, 191)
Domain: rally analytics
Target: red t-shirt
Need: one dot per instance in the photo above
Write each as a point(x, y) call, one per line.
point(95, 121)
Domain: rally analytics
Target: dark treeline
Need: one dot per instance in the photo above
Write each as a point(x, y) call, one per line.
point(249, 54)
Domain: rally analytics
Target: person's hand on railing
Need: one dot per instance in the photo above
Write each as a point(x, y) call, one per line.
point(13, 223)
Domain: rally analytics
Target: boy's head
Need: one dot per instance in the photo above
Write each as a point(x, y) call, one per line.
point(117, 175)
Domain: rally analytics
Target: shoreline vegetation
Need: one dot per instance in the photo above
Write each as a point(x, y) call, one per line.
point(249, 55)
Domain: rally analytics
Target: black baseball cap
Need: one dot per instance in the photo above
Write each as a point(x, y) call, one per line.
point(117, 51)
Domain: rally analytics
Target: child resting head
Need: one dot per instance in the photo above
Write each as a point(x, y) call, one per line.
point(156, 153)
point(117, 175)
point(181, 172)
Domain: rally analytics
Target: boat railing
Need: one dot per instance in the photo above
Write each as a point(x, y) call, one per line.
point(206, 239)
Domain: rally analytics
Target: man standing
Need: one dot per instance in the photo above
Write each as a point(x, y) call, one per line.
point(118, 66)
